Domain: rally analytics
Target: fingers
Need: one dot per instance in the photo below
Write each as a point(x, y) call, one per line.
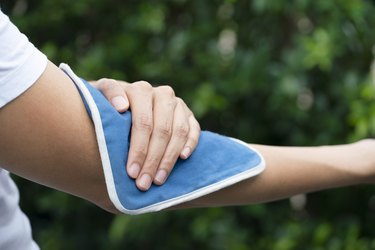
point(193, 136)
point(114, 92)
point(163, 112)
point(141, 100)
point(180, 132)
point(163, 128)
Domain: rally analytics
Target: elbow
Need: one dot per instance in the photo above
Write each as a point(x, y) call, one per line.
point(106, 204)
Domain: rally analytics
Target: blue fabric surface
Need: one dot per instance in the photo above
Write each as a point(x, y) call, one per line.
point(216, 158)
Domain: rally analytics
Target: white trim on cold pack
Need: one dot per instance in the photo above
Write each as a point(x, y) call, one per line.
point(99, 136)
point(108, 170)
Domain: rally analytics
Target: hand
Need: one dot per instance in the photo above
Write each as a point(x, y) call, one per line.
point(163, 128)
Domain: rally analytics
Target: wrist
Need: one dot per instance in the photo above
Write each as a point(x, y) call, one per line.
point(365, 156)
point(337, 165)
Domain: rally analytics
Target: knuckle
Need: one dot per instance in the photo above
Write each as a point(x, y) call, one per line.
point(107, 84)
point(169, 104)
point(163, 131)
point(189, 112)
point(167, 90)
point(179, 100)
point(143, 122)
point(197, 125)
point(198, 128)
point(145, 86)
point(140, 152)
point(168, 162)
point(151, 162)
point(192, 141)
point(182, 130)
point(181, 103)
point(194, 122)
point(102, 80)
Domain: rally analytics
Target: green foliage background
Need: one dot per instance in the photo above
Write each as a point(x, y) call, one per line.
point(294, 72)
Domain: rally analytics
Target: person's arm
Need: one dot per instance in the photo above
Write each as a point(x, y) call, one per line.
point(46, 136)
point(163, 130)
point(295, 170)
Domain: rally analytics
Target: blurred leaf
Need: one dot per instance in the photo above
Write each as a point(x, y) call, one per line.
point(293, 72)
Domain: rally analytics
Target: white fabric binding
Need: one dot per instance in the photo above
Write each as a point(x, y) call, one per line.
point(108, 170)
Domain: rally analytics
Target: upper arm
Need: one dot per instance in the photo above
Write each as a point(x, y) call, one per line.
point(47, 137)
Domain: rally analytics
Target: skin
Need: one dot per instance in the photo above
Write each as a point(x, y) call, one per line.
point(296, 170)
point(163, 130)
point(50, 128)
point(47, 137)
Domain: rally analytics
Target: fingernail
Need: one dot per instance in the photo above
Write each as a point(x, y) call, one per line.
point(160, 177)
point(186, 152)
point(145, 182)
point(134, 170)
point(119, 103)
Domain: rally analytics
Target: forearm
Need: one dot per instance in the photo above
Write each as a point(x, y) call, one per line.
point(295, 170)
point(47, 137)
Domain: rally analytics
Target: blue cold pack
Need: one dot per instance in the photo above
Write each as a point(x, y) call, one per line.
point(217, 162)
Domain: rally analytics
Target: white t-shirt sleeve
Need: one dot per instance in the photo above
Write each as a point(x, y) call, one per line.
point(21, 64)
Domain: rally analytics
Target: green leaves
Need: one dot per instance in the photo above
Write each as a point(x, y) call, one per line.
point(206, 99)
point(274, 72)
point(319, 49)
